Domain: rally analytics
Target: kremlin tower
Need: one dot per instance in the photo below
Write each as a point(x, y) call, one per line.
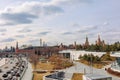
point(99, 42)
point(86, 43)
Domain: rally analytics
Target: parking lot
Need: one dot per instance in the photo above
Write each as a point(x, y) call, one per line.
point(13, 69)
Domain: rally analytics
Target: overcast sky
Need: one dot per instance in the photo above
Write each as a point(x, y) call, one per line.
point(58, 21)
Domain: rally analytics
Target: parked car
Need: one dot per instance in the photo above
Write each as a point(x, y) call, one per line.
point(17, 74)
point(10, 77)
point(8, 72)
point(4, 75)
point(0, 70)
point(13, 73)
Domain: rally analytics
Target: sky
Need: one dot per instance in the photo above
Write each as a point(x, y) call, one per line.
point(58, 21)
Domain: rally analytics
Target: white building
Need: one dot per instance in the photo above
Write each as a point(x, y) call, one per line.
point(74, 54)
point(115, 54)
point(116, 65)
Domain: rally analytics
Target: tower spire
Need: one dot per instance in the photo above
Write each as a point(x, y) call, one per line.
point(99, 40)
point(98, 37)
point(86, 42)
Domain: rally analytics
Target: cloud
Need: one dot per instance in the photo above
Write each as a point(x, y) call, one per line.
point(20, 36)
point(3, 34)
point(75, 25)
point(34, 40)
point(44, 33)
point(3, 30)
point(8, 40)
point(25, 30)
point(27, 12)
point(113, 33)
point(17, 18)
point(67, 33)
point(50, 9)
point(87, 29)
point(73, 2)
point(105, 23)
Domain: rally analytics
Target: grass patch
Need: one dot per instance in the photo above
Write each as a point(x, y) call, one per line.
point(49, 66)
point(39, 76)
point(77, 76)
point(97, 65)
point(97, 62)
point(44, 66)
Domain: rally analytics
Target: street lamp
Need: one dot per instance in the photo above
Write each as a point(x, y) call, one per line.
point(91, 64)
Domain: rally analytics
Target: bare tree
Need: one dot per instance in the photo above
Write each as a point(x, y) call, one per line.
point(35, 59)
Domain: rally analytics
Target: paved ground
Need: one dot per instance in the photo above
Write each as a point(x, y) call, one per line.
point(28, 74)
point(2, 61)
point(79, 68)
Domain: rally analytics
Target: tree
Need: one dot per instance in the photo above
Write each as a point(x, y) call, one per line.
point(35, 59)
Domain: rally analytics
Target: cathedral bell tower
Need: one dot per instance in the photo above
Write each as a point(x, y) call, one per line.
point(86, 42)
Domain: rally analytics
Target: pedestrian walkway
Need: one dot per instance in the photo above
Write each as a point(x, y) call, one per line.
point(28, 74)
point(68, 76)
point(79, 68)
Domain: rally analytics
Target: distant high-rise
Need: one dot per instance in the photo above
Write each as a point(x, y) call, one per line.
point(44, 44)
point(75, 45)
point(6, 47)
point(40, 42)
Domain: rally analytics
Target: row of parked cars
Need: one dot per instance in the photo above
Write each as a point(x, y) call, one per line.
point(16, 72)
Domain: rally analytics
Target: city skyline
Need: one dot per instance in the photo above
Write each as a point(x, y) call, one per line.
point(58, 21)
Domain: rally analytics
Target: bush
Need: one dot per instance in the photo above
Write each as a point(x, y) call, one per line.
point(60, 62)
point(41, 71)
point(90, 57)
point(67, 64)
